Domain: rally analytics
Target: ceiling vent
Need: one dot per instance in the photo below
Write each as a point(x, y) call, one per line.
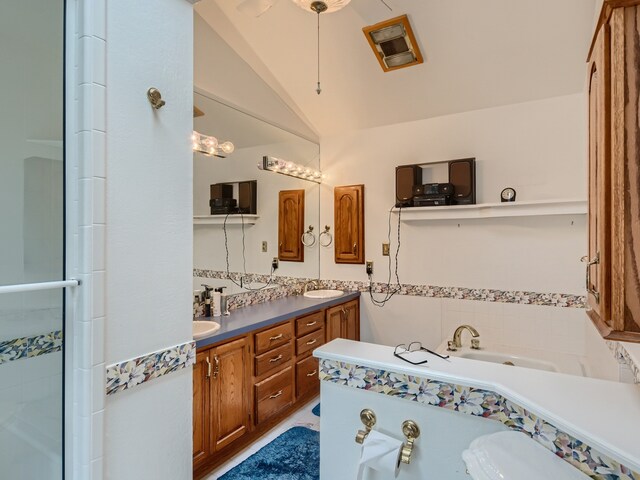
point(394, 43)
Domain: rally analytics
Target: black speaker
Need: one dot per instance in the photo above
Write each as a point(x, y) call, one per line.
point(406, 178)
point(247, 196)
point(462, 174)
point(221, 190)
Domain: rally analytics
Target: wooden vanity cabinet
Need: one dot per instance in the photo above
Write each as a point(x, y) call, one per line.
point(343, 321)
point(290, 225)
point(613, 262)
point(348, 204)
point(201, 419)
point(220, 392)
point(244, 386)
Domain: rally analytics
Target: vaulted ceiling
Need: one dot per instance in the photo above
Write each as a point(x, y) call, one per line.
point(478, 54)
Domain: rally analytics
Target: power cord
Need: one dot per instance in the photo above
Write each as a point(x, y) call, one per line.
point(390, 292)
point(244, 259)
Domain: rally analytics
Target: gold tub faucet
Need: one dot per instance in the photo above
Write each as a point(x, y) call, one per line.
point(456, 343)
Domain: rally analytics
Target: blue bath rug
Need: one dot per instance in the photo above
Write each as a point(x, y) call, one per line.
point(294, 455)
point(316, 410)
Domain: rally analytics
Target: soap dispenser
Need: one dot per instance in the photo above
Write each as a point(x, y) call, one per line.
point(207, 300)
point(217, 295)
point(224, 304)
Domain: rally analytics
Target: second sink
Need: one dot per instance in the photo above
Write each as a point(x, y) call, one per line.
point(323, 293)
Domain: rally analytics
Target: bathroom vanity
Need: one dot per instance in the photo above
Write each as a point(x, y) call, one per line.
point(258, 368)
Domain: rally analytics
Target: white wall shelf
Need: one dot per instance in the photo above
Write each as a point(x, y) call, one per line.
point(494, 210)
point(234, 219)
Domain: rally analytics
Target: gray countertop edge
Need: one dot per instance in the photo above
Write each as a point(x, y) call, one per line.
point(247, 319)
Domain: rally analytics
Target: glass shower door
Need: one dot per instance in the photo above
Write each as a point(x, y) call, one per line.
point(31, 239)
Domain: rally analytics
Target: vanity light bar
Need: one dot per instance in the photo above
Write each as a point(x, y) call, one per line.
point(291, 169)
point(209, 145)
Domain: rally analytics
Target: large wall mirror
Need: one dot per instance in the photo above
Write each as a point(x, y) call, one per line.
point(236, 250)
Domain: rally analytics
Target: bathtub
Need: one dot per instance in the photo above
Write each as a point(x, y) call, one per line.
point(523, 357)
point(455, 400)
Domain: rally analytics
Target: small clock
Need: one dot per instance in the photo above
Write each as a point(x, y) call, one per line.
point(508, 195)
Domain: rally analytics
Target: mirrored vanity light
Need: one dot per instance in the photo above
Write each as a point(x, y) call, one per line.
point(209, 145)
point(291, 169)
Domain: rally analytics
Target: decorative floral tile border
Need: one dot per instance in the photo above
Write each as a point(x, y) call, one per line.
point(295, 285)
point(623, 357)
point(481, 403)
point(29, 347)
point(126, 375)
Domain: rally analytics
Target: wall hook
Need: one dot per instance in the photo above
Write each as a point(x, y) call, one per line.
point(368, 419)
point(411, 431)
point(155, 98)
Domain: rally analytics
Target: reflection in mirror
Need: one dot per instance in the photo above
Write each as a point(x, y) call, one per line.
point(237, 250)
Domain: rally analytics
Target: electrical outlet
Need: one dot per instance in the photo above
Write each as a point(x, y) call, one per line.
point(275, 263)
point(264, 246)
point(369, 268)
point(385, 249)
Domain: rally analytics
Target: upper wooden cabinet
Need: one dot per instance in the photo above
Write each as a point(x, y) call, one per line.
point(291, 225)
point(349, 224)
point(613, 263)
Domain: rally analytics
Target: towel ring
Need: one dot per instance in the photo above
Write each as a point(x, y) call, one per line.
point(329, 238)
point(308, 238)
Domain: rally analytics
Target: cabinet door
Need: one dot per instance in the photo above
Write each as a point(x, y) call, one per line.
point(349, 224)
point(334, 323)
point(201, 419)
point(291, 225)
point(598, 266)
point(230, 393)
point(343, 321)
point(352, 320)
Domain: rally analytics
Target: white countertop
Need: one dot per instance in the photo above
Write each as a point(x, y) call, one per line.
point(603, 414)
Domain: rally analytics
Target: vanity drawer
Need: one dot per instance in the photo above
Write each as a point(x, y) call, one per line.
point(310, 342)
point(309, 323)
point(307, 376)
point(273, 395)
point(273, 359)
point(274, 337)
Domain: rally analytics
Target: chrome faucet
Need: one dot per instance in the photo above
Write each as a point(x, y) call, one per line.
point(456, 343)
point(306, 285)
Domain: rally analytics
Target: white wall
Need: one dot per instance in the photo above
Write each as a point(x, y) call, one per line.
point(218, 69)
point(538, 148)
point(149, 233)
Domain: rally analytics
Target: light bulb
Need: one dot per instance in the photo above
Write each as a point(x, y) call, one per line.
point(211, 142)
point(194, 136)
point(227, 147)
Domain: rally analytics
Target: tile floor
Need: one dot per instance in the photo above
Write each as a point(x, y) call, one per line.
point(302, 417)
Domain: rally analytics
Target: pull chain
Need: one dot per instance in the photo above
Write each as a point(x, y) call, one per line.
point(318, 90)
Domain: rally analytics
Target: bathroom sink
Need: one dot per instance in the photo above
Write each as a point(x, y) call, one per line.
point(506, 359)
point(323, 293)
point(203, 329)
